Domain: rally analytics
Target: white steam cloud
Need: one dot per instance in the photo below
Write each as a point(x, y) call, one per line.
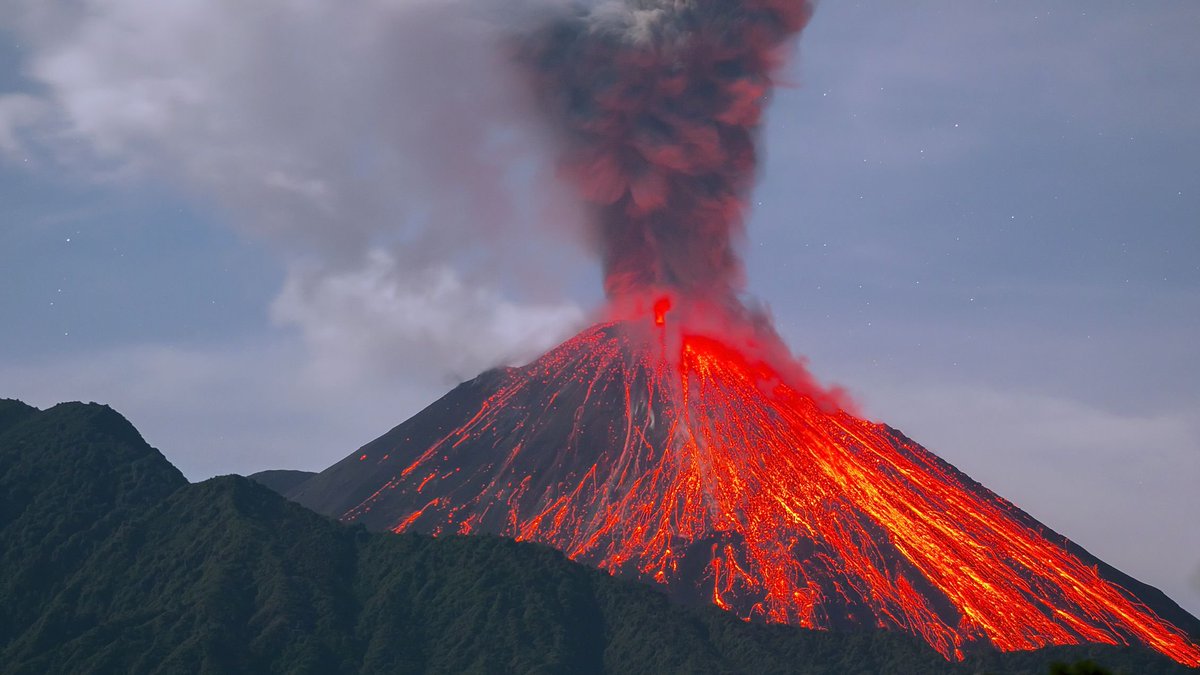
point(382, 146)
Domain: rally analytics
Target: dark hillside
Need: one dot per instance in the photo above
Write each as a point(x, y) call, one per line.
point(282, 481)
point(70, 476)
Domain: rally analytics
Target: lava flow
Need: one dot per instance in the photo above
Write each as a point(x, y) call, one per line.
point(675, 457)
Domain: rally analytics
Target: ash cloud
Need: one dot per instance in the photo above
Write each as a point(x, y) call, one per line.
point(657, 106)
point(397, 146)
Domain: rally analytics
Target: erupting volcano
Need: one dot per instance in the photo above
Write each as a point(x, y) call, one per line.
point(677, 441)
point(687, 460)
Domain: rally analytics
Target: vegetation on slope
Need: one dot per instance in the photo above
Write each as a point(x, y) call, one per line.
point(281, 480)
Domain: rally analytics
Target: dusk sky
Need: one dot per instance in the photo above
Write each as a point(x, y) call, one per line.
point(267, 232)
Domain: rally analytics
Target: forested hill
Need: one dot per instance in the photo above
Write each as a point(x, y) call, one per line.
point(111, 562)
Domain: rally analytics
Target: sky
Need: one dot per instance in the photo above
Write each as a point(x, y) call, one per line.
point(268, 232)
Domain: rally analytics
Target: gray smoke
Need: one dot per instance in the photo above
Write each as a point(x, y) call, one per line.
point(658, 106)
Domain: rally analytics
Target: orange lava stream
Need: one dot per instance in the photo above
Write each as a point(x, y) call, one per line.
point(796, 514)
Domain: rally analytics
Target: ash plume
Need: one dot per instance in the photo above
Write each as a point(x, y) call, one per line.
point(658, 106)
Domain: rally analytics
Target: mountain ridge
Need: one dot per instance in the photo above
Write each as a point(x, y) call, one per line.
point(281, 480)
point(227, 576)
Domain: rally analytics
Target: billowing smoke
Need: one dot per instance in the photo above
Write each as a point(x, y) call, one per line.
point(392, 154)
point(385, 151)
point(658, 104)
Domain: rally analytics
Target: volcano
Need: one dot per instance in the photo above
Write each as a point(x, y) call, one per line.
point(684, 446)
point(694, 461)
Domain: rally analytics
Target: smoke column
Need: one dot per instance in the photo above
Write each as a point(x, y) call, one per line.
point(658, 105)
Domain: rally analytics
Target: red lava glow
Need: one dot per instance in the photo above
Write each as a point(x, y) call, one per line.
point(714, 472)
point(661, 307)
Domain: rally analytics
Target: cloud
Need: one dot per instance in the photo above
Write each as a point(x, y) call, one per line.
point(362, 324)
point(352, 138)
point(17, 111)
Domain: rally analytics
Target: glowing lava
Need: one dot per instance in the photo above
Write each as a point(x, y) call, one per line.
point(661, 307)
point(674, 457)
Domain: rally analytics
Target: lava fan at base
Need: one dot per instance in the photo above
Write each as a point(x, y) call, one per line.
point(685, 459)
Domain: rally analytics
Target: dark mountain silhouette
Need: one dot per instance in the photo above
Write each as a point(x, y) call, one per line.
point(281, 480)
point(111, 562)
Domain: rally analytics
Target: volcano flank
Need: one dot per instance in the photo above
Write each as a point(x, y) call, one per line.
point(691, 461)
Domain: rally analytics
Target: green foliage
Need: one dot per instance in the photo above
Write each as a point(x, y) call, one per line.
point(282, 481)
point(111, 562)
point(12, 412)
point(1085, 667)
point(69, 477)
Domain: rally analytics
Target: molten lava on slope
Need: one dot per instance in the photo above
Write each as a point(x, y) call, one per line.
point(677, 457)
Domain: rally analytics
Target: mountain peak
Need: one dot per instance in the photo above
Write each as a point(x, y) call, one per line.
point(682, 460)
point(78, 443)
point(282, 481)
point(12, 412)
point(99, 417)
